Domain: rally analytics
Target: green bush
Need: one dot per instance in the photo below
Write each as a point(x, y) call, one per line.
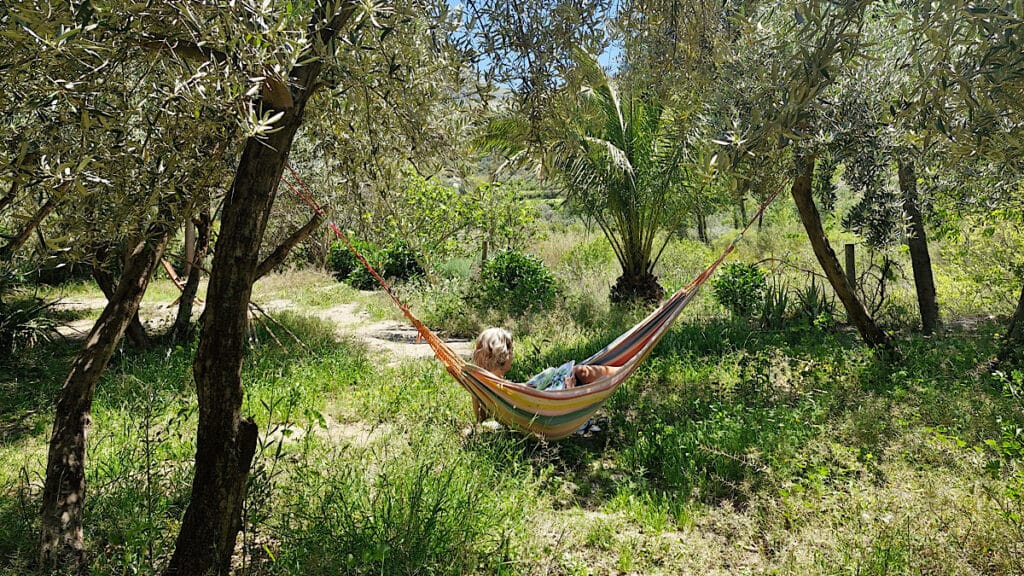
point(346, 267)
point(740, 288)
point(516, 283)
point(444, 308)
point(400, 262)
point(397, 261)
point(24, 322)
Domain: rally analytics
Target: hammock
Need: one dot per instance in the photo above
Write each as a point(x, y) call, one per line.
point(555, 414)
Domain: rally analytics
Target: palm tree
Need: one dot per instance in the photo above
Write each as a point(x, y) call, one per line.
point(619, 160)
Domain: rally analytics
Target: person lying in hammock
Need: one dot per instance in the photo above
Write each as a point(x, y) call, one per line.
point(493, 352)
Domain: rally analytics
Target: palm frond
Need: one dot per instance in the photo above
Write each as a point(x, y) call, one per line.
point(614, 155)
point(507, 134)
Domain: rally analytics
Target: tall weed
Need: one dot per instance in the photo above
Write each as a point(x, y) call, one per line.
point(408, 515)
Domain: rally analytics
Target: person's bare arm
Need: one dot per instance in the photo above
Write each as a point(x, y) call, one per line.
point(587, 374)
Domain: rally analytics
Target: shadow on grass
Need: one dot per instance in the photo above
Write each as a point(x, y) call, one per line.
point(18, 531)
point(722, 412)
point(29, 385)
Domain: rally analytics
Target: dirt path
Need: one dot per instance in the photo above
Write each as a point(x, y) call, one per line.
point(79, 328)
point(394, 339)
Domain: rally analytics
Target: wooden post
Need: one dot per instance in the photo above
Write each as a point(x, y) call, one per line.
point(851, 266)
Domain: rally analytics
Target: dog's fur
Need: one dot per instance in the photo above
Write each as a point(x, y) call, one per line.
point(493, 351)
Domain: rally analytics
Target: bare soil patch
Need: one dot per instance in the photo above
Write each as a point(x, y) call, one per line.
point(396, 340)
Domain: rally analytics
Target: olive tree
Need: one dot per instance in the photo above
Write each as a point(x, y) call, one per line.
point(972, 91)
point(324, 60)
point(111, 139)
point(782, 64)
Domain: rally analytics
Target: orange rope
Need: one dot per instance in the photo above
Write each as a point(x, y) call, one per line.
point(448, 357)
point(452, 361)
point(307, 197)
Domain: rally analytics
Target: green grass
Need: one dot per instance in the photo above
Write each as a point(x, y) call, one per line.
point(733, 450)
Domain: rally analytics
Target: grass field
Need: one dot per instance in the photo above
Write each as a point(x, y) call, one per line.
point(735, 449)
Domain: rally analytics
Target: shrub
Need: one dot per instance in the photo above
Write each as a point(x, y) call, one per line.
point(400, 262)
point(815, 305)
point(775, 304)
point(396, 261)
point(516, 283)
point(455, 268)
point(24, 323)
point(444, 308)
point(344, 264)
point(740, 288)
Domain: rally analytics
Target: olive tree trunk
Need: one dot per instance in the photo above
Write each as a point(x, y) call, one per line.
point(277, 257)
point(811, 219)
point(1012, 351)
point(136, 332)
point(917, 242)
point(190, 245)
point(181, 330)
point(61, 526)
point(226, 443)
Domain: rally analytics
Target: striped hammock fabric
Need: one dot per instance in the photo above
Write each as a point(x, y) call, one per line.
point(554, 414)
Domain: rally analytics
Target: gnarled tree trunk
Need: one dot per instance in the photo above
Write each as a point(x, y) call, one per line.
point(226, 443)
point(62, 538)
point(276, 258)
point(917, 241)
point(801, 191)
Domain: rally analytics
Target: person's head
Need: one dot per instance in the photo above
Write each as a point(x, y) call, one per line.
point(493, 351)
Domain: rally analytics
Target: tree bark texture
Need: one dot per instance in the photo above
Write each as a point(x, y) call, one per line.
point(276, 258)
point(136, 331)
point(190, 245)
point(62, 539)
point(226, 443)
point(811, 220)
point(1011, 353)
point(917, 242)
point(181, 330)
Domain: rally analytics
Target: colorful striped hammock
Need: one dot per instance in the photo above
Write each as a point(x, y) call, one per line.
point(556, 414)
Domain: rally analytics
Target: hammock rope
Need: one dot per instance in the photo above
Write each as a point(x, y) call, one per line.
point(451, 359)
point(546, 414)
